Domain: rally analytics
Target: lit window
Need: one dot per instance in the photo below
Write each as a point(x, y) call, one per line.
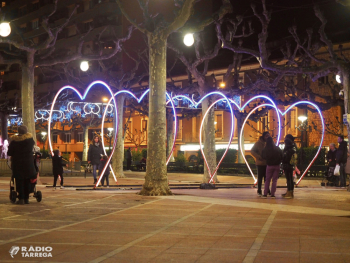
point(68, 137)
point(80, 137)
point(54, 138)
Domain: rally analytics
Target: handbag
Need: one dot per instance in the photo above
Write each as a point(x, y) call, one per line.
point(337, 170)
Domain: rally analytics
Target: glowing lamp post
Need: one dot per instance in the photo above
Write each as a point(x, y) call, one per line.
point(5, 29)
point(303, 127)
point(43, 138)
point(189, 39)
point(110, 135)
point(84, 66)
point(338, 78)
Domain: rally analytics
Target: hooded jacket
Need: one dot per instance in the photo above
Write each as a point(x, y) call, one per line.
point(342, 152)
point(256, 151)
point(289, 159)
point(272, 156)
point(21, 152)
point(57, 165)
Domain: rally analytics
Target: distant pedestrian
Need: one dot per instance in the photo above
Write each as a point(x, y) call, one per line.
point(128, 159)
point(331, 159)
point(22, 165)
point(105, 175)
point(341, 159)
point(94, 155)
point(57, 168)
point(289, 163)
point(256, 151)
point(273, 156)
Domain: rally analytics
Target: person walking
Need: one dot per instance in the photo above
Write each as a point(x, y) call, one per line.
point(94, 155)
point(273, 156)
point(331, 159)
point(57, 168)
point(289, 163)
point(341, 159)
point(105, 176)
point(256, 151)
point(128, 159)
point(22, 165)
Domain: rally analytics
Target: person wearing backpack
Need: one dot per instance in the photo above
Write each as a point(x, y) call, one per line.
point(289, 162)
point(273, 156)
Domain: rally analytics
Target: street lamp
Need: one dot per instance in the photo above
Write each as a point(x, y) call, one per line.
point(110, 135)
point(302, 118)
point(84, 66)
point(43, 135)
point(303, 128)
point(189, 39)
point(338, 78)
point(5, 29)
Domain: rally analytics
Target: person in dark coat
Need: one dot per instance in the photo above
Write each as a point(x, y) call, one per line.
point(289, 162)
point(273, 156)
point(23, 169)
point(57, 168)
point(94, 155)
point(103, 162)
point(341, 159)
point(128, 159)
point(259, 161)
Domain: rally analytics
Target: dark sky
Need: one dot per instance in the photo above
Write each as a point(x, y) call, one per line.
point(284, 15)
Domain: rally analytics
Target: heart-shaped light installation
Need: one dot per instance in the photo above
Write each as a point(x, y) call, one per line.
point(322, 138)
point(82, 97)
point(139, 100)
point(279, 132)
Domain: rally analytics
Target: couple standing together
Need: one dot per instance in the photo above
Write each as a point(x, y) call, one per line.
point(268, 158)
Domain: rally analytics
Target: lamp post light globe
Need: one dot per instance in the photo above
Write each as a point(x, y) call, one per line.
point(302, 118)
point(110, 129)
point(84, 65)
point(188, 39)
point(338, 78)
point(43, 133)
point(5, 29)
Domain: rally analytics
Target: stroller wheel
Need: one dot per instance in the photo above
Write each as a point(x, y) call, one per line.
point(13, 196)
point(38, 196)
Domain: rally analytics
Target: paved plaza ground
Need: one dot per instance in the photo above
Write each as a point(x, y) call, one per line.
point(223, 225)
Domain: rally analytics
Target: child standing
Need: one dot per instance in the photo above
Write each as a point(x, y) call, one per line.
point(103, 162)
point(57, 168)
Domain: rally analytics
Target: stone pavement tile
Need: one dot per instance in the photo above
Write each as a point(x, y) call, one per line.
point(82, 226)
point(197, 241)
point(63, 236)
point(244, 232)
point(162, 240)
point(222, 256)
point(280, 244)
point(29, 224)
point(230, 242)
point(135, 254)
point(318, 245)
point(322, 258)
point(8, 234)
point(343, 245)
point(176, 258)
point(81, 254)
point(212, 230)
point(116, 239)
point(289, 233)
point(186, 250)
point(276, 257)
point(282, 223)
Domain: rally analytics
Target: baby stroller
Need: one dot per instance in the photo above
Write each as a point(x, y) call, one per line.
point(329, 178)
point(32, 188)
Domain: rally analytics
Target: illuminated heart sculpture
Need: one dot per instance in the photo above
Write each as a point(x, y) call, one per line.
point(138, 101)
point(82, 97)
point(279, 132)
point(195, 105)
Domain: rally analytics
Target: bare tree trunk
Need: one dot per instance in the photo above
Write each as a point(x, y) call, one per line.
point(346, 82)
point(209, 139)
point(156, 180)
point(118, 156)
point(239, 128)
point(28, 94)
point(86, 143)
point(4, 132)
point(170, 136)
